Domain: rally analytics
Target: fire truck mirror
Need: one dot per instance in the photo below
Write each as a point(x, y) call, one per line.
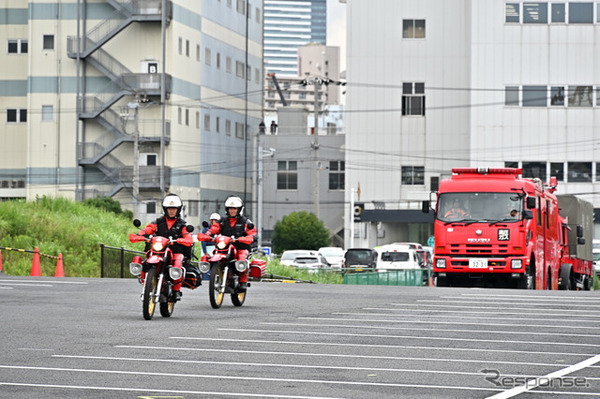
point(580, 241)
point(579, 231)
point(527, 214)
point(425, 206)
point(530, 202)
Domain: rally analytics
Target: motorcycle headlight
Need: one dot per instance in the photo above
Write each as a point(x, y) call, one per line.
point(135, 269)
point(204, 267)
point(221, 244)
point(175, 273)
point(157, 246)
point(241, 265)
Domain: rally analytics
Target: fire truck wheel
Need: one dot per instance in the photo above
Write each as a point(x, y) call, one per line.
point(441, 281)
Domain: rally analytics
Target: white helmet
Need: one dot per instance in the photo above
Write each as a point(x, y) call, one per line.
point(235, 202)
point(215, 216)
point(172, 201)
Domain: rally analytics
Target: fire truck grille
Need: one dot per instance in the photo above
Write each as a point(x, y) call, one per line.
point(474, 250)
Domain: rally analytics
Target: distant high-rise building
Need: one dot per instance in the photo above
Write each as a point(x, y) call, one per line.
point(290, 24)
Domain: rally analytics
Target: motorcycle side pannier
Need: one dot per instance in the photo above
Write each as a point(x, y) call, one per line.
point(258, 267)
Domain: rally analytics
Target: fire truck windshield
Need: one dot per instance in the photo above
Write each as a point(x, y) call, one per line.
point(479, 207)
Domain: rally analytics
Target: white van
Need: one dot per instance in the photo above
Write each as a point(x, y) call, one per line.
point(397, 257)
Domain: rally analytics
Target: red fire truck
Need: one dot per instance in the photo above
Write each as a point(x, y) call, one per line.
point(493, 228)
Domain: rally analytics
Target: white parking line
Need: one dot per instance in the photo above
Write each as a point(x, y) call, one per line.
point(557, 374)
point(242, 378)
point(501, 341)
point(332, 355)
point(479, 323)
point(372, 327)
point(478, 306)
point(530, 300)
point(11, 284)
point(486, 313)
point(57, 281)
point(428, 347)
point(527, 297)
point(440, 315)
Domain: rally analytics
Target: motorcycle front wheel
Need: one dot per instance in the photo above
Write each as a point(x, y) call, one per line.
point(148, 304)
point(166, 308)
point(214, 287)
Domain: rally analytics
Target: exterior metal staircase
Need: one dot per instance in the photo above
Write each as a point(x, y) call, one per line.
point(97, 107)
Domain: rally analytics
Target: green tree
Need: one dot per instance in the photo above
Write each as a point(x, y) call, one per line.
point(299, 230)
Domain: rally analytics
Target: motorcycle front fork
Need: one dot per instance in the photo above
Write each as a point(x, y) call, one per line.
point(156, 293)
point(224, 279)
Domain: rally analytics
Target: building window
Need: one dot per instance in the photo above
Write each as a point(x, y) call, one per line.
point(337, 175)
point(192, 209)
point(557, 169)
point(413, 28)
point(48, 42)
point(558, 12)
point(535, 96)
point(218, 61)
point(512, 13)
point(580, 96)
point(413, 175)
point(413, 99)
point(47, 112)
point(151, 207)
point(534, 169)
point(579, 172)
point(287, 175)
point(207, 122)
point(248, 72)
point(557, 96)
point(207, 56)
point(511, 95)
point(239, 69)
point(535, 13)
point(257, 15)
point(239, 130)
point(198, 52)
point(228, 127)
point(16, 115)
point(197, 119)
point(187, 48)
point(256, 75)
point(179, 115)
point(180, 46)
point(581, 13)
point(17, 46)
point(228, 64)
point(187, 117)
point(217, 124)
point(241, 6)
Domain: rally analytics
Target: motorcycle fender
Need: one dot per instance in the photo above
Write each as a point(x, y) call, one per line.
point(216, 258)
point(154, 259)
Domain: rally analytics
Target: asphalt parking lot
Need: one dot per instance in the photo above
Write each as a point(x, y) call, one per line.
point(86, 338)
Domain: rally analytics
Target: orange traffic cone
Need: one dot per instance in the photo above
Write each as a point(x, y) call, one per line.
point(59, 267)
point(35, 267)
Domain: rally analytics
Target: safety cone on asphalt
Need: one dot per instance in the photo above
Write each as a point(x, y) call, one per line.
point(35, 267)
point(59, 267)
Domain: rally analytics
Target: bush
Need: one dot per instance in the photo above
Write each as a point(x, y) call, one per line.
point(300, 230)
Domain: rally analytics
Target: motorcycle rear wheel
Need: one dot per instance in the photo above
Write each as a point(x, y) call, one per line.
point(238, 298)
point(166, 308)
point(214, 287)
point(148, 304)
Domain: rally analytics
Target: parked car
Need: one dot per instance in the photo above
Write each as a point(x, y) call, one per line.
point(288, 257)
point(333, 255)
point(397, 256)
point(313, 263)
point(360, 259)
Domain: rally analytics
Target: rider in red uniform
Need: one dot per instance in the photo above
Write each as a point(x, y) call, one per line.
point(235, 224)
point(170, 225)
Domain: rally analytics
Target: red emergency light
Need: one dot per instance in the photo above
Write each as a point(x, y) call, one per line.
point(489, 171)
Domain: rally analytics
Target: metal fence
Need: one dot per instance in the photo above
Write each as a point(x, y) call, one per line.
point(407, 277)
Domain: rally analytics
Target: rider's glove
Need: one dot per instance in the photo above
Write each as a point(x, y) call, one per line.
point(136, 238)
point(246, 239)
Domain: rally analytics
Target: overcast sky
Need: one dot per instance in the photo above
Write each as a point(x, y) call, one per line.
point(336, 28)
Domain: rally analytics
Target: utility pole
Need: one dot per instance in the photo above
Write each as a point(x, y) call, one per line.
point(136, 160)
point(315, 146)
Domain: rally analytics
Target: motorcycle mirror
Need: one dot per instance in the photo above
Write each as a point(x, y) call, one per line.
point(137, 223)
point(205, 224)
point(189, 228)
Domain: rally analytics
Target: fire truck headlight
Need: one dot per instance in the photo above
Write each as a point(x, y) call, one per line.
point(516, 263)
point(440, 263)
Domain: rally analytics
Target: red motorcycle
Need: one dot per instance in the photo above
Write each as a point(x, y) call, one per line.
point(225, 270)
point(157, 274)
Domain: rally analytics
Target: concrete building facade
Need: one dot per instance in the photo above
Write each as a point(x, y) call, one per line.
point(131, 99)
point(437, 84)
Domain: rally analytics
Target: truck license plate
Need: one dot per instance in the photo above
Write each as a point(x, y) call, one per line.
point(478, 264)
